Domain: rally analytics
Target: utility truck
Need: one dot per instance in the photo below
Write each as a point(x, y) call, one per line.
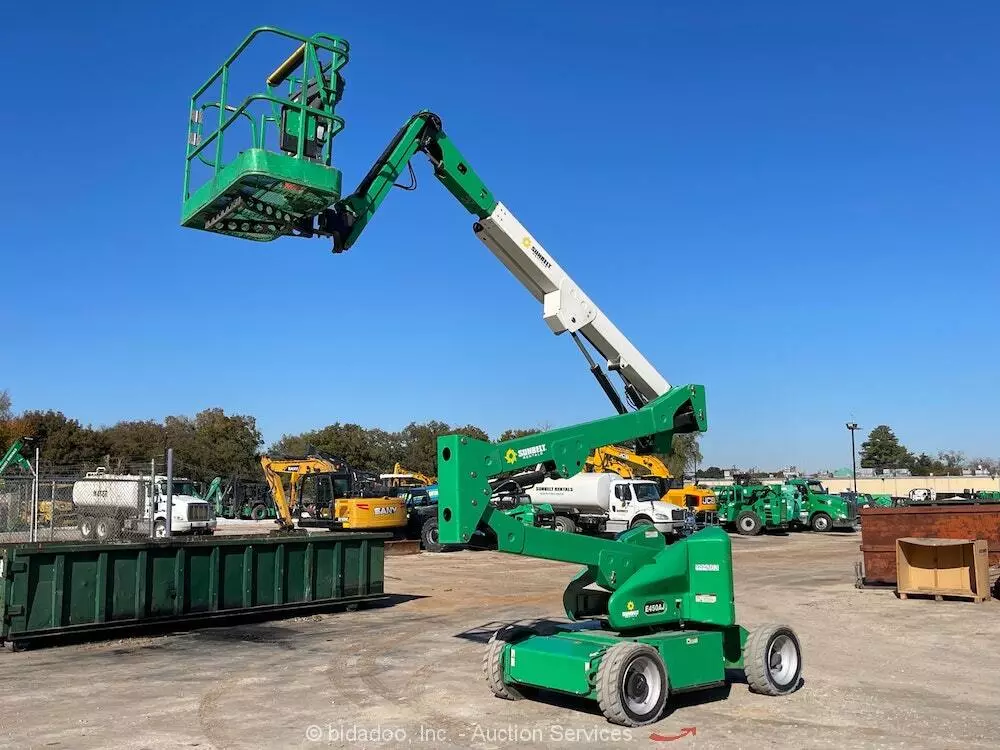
point(111, 506)
point(653, 619)
point(749, 509)
point(818, 509)
point(607, 504)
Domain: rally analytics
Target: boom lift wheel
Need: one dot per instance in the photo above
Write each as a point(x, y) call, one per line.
point(632, 685)
point(748, 524)
point(772, 660)
point(493, 661)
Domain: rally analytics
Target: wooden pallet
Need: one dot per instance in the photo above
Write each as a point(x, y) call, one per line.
point(940, 596)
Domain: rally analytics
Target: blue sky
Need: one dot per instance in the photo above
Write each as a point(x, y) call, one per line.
point(794, 204)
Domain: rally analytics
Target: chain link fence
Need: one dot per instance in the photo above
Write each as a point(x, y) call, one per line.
point(100, 505)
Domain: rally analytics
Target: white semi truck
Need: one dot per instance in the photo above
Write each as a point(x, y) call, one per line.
point(111, 506)
point(607, 504)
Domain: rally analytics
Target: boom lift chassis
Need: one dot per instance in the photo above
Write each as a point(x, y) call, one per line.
point(648, 619)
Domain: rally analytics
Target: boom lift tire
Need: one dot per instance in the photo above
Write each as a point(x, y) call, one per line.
point(748, 524)
point(772, 660)
point(820, 523)
point(565, 524)
point(258, 512)
point(493, 661)
point(429, 536)
point(632, 687)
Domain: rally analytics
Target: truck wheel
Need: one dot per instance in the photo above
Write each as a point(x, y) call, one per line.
point(429, 536)
point(640, 521)
point(748, 524)
point(772, 660)
point(160, 529)
point(493, 662)
point(87, 527)
point(106, 529)
point(632, 686)
point(258, 512)
point(565, 524)
point(821, 522)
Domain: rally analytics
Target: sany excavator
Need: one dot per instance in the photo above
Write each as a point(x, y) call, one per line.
point(328, 492)
point(626, 463)
point(648, 619)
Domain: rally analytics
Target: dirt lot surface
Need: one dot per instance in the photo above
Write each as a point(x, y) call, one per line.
point(879, 672)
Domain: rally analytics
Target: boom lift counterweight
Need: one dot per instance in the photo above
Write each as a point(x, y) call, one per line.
point(650, 619)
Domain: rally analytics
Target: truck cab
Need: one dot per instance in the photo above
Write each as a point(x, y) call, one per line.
point(818, 509)
point(605, 503)
point(190, 514)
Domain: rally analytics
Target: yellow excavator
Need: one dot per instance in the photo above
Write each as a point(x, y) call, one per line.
point(327, 493)
point(401, 477)
point(627, 464)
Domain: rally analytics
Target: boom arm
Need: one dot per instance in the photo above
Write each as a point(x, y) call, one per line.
point(621, 460)
point(14, 455)
point(565, 306)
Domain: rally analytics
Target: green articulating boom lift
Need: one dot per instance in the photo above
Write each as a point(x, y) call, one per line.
point(15, 455)
point(648, 619)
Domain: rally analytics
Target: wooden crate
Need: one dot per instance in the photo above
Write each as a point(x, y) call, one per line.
point(943, 567)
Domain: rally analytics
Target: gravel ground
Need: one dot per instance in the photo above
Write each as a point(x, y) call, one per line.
point(879, 672)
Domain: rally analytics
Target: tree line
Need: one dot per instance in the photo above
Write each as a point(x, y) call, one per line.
point(883, 450)
point(215, 443)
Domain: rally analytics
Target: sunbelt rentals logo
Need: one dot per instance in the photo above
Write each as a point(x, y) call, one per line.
point(511, 456)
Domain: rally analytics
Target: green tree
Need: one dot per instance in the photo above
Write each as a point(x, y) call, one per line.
point(419, 443)
point(366, 449)
point(136, 441)
point(882, 450)
point(712, 472)
point(63, 441)
point(685, 456)
point(512, 433)
point(954, 461)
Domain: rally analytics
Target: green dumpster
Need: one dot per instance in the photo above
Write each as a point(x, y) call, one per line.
point(70, 589)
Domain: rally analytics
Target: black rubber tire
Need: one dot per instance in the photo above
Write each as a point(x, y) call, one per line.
point(258, 512)
point(745, 528)
point(429, 536)
point(755, 666)
point(641, 521)
point(821, 523)
point(106, 529)
point(160, 529)
point(610, 684)
point(88, 527)
point(566, 525)
point(493, 662)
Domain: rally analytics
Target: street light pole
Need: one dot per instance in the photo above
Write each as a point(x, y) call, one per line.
point(853, 427)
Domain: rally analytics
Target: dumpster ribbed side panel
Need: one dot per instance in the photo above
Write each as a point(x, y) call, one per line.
point(64, 588)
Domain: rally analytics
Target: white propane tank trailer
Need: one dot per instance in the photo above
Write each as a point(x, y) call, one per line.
point(605, 503)
point(111, 506)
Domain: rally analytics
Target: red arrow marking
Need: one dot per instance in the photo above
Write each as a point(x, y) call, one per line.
point(685, 731)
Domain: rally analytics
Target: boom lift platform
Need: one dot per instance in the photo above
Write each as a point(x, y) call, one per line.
point(649, 619)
